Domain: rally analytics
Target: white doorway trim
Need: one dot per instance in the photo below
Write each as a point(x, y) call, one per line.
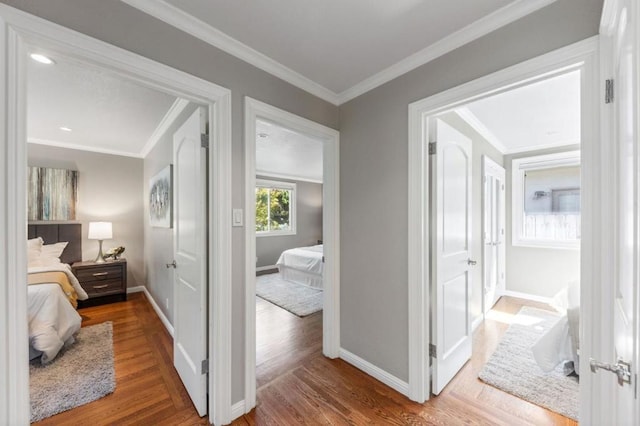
point(579, 56)
point(19, 32)
point(330, 223)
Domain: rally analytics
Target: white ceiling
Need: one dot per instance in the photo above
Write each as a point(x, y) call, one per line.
point(283, 153)
point(338, 49)
point(106, 113)
point(540, 115)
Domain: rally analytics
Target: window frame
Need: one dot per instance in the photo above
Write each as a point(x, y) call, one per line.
point(287, 186)
point(518, 168)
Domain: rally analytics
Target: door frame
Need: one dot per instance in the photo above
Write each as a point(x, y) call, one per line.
point(488, 164)
point(18, 32)
point(581, 56)
point(330, 138)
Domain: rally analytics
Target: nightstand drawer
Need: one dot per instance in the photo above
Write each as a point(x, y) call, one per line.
point(102, 287)
point(102, 273)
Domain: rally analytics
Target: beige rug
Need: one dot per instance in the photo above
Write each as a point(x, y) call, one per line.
point(80, 374)
point(512, 368)
point(295, 298)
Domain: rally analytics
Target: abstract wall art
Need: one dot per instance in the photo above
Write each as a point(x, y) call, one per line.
point(160, 196)
point(52, 194)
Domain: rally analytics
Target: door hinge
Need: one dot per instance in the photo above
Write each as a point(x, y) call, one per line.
point(322, 259)
point(432, 148)
point(205, 366)
point(204, 140)
point(608, 91)
point(433, 353)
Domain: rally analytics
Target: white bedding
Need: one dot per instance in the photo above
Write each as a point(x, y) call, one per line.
point(52, 319)
point(302, 265)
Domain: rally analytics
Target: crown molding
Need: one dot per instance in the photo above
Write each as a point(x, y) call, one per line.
point(472, 120)
point(534, 148)
point(174, 16)
point(286, 176)
point(172, 114)
point(79, 147)
point(501, 17)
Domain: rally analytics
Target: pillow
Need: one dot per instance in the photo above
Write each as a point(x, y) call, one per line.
point(53, 250)
point(34, 248)
point(49, 255)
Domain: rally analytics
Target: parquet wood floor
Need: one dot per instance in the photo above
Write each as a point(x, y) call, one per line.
point(296, 384)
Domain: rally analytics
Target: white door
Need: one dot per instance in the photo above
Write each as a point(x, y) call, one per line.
point(190, 250)
point(451, 251)
point(620, 62)
point(493, 208)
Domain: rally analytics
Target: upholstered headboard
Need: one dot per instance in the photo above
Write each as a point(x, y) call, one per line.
point(56, 232)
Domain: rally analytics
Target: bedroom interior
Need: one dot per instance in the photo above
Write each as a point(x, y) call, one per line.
point(96, 140)
point(532, 134)
point(536, 205)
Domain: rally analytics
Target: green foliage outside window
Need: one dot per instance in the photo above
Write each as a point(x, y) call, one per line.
point(272, 209)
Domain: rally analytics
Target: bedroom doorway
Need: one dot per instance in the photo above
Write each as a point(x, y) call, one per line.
point(571, 68)
point(292, 243)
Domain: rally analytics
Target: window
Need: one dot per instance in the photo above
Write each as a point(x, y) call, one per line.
point(546, 201)
point(275, 208)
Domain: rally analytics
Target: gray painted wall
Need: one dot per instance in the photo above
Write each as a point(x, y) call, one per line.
point(537, 271)
point(123, 26)
point(109, 189)
point(158, 242)
point(373, 172)
point(480, 147)
point(308, 224)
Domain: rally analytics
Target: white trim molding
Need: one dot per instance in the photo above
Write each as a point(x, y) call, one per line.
point(80, 147)
point(330, 139)
point(470, 118)
point(376, 372)
point(273, 175)
point(176, 17)
point(18, 32)
point(136, 289)
point(238, 410)
point(169, 118)
point(579, 56)
point(163, 318)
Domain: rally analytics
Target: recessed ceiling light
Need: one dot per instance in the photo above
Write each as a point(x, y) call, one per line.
point(42, 59)
point(65, 129)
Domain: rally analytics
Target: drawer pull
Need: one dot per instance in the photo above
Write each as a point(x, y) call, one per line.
point(100, 274)
point(101, 286)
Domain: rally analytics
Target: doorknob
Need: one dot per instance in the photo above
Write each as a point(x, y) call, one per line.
point(172, 265)
point(471, 262)
point(621, 369)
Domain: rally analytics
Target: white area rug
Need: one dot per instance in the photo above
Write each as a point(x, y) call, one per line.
point(512, 368)
point(295, 298)
point(80, 374)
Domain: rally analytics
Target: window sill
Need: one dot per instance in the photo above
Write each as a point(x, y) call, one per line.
point(275, 234)
point(551, 245)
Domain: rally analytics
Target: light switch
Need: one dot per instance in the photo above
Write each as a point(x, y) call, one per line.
point(237, 217)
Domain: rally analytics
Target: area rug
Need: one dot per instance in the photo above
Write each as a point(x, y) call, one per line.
point(81, 373)
point(513, 369)
point(295, 298)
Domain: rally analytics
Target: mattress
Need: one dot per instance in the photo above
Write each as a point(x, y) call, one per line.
point(302, 265)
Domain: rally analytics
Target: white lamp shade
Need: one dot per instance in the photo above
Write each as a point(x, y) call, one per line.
point(100, 231)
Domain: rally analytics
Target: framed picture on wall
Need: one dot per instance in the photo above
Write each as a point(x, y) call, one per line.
point(52, 194)
point(160, 199)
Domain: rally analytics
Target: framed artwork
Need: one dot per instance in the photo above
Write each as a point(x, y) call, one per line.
point(160, 199)
point(52, 194)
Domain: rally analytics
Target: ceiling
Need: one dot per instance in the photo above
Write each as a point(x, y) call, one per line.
point(338, 49)
point(106, 113)
point(283, 153)
point(541, 115)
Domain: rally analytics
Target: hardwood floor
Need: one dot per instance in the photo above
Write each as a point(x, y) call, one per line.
point(148, 389)
point(296, 384)
point(307, 388)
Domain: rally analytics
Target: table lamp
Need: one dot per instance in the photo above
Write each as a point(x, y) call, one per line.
point(100, 231)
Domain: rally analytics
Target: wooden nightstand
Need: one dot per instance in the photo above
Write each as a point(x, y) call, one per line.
point(103, 282)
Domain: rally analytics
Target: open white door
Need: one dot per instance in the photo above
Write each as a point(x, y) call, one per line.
point(620, 57)
point(190, 250)
point(493, 232)
point(451, 253)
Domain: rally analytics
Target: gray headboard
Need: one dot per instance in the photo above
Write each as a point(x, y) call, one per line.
point(56, 232)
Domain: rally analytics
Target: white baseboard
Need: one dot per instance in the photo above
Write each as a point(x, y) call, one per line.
point(265, 268)
point(476, 323)
point(161, 315)
point(136, 289)
point(376, 372)
point(237, 410)
point(527, 296)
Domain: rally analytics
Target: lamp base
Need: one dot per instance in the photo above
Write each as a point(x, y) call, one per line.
point(100, 258)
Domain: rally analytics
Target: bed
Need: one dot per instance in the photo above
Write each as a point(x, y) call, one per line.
point(52, 290)
point(561, 343)
point(302, 265)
